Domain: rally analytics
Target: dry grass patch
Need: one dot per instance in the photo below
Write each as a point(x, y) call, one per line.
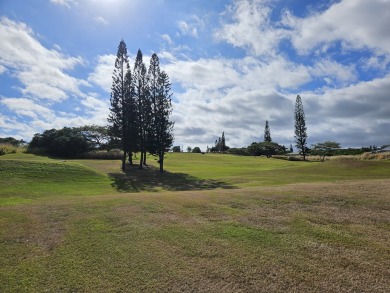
point(310, 237)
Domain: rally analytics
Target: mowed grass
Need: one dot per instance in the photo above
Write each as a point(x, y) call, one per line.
point(326, 229)
point(31, 177)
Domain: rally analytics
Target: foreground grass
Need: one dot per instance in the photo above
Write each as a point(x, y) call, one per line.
point(327, 237)
point(264, 226)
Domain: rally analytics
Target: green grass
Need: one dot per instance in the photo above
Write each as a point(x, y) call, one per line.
point(23, 180)
point(260, 171)
point(212, 223)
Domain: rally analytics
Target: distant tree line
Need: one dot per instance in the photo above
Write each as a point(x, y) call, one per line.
point(12, 141)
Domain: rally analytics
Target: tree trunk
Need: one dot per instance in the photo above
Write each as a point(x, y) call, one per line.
point(131, 158)
point(141, 160)
point(144, 162)
point(124, 161)
point(161, 160)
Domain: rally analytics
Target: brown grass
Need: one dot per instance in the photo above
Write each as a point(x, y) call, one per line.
point(310, 237)
point(365, 156)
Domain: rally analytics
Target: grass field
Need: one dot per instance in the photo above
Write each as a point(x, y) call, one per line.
point(211, 223)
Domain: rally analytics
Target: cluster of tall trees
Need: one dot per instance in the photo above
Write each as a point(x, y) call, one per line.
point(140, 108)
point(220, 145)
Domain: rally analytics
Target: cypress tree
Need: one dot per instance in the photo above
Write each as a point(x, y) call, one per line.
point(142, 104)
point(119, 99)
point(300, 127)
point(154, 91)
point(267, 133)
point(163, 125)
point(223, 142)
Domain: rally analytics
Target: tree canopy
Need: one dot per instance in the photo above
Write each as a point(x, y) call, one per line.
point(65, 142)
point(326, 148)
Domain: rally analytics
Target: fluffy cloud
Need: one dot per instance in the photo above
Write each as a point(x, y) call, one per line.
point(250, 28)
point(102, 73)
point(42, 72)
point(46, 85)
point(26, 107)
point(357, 24)
point(237, 95)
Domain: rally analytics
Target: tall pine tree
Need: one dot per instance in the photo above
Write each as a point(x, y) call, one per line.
point(119, 99)
point(154, 91)
point(143, 104)
point(163, 125)
point(300, 127)
point(223, 142)
point(267, 133)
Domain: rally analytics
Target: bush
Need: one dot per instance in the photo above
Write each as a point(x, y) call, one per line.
point(238, 151)
point(6, 148)
point(176, 149)
point(266, 149)
point(196, 150)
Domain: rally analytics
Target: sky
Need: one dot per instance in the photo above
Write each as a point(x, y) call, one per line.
point(233, 65)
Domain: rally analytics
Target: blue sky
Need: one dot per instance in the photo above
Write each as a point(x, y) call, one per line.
point(233, 65)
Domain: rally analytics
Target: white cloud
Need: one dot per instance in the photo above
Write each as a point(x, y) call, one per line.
point(27, 107)
point(2, 69)
point(334, 73)
point(102, 74)
point(358, 24)
point(41, 71)
point(238, 95)
point(101, 20)
point(67, 3)
point(167, 39)
point(186, 29)
point(250, 28)
point(191, 26)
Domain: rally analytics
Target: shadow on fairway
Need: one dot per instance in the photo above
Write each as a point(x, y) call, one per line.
point(149, 178)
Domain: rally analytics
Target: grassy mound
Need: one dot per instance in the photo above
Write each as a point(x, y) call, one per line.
point(31, 179)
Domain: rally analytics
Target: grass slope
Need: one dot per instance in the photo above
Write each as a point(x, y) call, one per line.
point(243, 230)
point(24, 180)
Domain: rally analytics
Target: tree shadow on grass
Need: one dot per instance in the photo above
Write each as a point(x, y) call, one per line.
point(150, 179)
